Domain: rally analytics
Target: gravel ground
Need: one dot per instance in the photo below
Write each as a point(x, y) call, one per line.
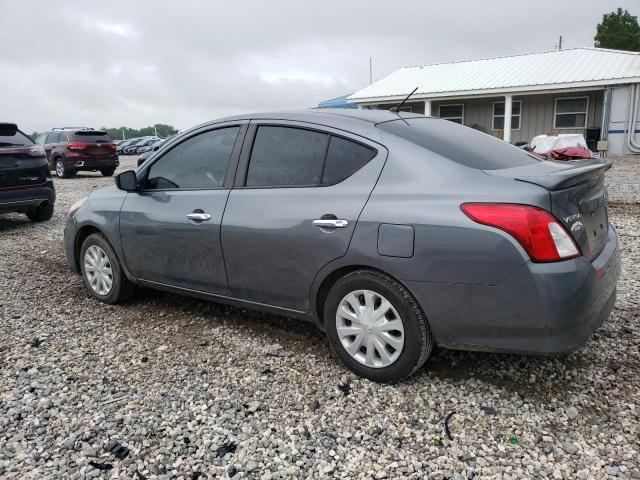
point(169, 387)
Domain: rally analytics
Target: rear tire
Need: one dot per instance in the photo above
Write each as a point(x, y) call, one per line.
point(41, 213)
point(382, 349)
point(107, 172)
point(61, 169)
point(102, 272)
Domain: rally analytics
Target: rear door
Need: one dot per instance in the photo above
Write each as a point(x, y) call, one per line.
point(170, 230)
point(298, 195)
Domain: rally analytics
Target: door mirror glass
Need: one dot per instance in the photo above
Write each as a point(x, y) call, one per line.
point(127, 181)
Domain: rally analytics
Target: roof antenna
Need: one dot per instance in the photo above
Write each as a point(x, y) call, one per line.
point(398, 107)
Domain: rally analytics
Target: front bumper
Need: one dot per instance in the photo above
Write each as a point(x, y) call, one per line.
point(21, 199)
point(70, 234)
point(543, 308)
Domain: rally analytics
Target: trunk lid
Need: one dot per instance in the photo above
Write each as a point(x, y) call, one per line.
point(578, 197)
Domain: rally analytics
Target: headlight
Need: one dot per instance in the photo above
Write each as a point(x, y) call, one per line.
point(77, 205)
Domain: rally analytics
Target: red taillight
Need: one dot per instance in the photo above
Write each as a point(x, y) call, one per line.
point(77, 146)
point(539, 233)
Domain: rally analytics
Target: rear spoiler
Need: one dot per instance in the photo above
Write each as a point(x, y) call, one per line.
point(569, 177)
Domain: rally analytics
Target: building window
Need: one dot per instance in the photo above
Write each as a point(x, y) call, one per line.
point(571, 112)
point(498, 115)
point(453, 113)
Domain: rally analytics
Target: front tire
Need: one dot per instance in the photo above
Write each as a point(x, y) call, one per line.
point(102, 272)
point(41, 213)
point(376, 327)
point(107, 172)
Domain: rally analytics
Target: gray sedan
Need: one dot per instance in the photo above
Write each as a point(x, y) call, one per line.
point(392, 232)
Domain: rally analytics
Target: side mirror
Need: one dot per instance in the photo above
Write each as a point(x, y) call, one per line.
point(127, 181)
point(156, 148)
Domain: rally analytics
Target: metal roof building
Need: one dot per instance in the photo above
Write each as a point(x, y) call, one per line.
point(579, 90)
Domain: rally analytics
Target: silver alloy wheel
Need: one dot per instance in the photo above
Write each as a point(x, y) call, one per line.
point(97, 268)
point(369, 328)
point(59, 168)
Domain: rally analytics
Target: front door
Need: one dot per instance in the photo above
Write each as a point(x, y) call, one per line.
point(294, 209)
point(170, 230)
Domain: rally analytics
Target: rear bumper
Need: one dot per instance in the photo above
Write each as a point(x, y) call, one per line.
point(87, 162)
point(21, 199)
point(543, 308)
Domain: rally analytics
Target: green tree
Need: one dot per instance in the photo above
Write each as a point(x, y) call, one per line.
point(618, 30)
point(162, 131)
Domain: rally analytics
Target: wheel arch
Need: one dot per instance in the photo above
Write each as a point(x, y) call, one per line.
point(330, 278)
point(81, 236)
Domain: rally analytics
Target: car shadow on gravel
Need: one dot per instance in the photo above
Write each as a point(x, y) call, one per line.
point(531, 377)
point(13, 222)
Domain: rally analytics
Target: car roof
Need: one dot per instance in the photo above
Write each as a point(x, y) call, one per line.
point(336, 117)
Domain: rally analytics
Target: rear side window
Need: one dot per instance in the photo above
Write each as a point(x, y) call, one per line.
point(53, 137)
point(199, 162)
point(290, 156)
point(17, 140)
point(284, 156)
point(344, 157)
point(463, 145)
point(92, 136)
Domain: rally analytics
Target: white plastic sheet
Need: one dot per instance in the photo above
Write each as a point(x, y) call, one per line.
point(545, 143)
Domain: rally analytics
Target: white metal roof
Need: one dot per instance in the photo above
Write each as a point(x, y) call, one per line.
point(571, 68)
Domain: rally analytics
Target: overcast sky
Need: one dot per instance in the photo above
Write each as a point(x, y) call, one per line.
point(135, 63)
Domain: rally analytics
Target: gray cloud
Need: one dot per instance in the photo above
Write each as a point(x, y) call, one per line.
point(136, 63)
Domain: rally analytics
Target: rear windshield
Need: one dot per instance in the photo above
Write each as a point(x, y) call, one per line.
point(463, 145)
point(17, 140)
point(92, 136)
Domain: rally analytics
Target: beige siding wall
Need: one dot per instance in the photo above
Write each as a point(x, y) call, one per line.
point(537, 114)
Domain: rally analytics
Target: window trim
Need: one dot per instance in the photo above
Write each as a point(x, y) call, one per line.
point(245, 156)
point(451, 105)
point(227, 184)
point(555, 113)
point(493, 116)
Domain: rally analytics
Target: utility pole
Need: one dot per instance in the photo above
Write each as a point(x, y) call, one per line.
point(560, 43)
point(370, 71)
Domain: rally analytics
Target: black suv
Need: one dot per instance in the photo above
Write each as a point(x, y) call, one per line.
point(25, 180)
point(70, 150)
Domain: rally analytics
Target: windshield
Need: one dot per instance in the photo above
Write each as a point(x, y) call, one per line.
point(463, 145)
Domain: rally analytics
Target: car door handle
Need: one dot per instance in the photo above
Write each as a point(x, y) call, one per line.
point(199, 216)
point(330, 223)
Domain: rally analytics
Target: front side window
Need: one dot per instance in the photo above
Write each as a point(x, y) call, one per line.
point(498, 115)
point(453, 113)
point(285, 156)
point(571, 112)
point(198, 162)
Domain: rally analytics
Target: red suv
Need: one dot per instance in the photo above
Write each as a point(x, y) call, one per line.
point(70, 150)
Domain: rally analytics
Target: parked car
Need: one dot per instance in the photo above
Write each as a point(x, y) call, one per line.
point(148, 153)
point(26, 185)
point(132, 148)
point(147, 146)
point(391, 231)
point(125, 143)
point(70, 150)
